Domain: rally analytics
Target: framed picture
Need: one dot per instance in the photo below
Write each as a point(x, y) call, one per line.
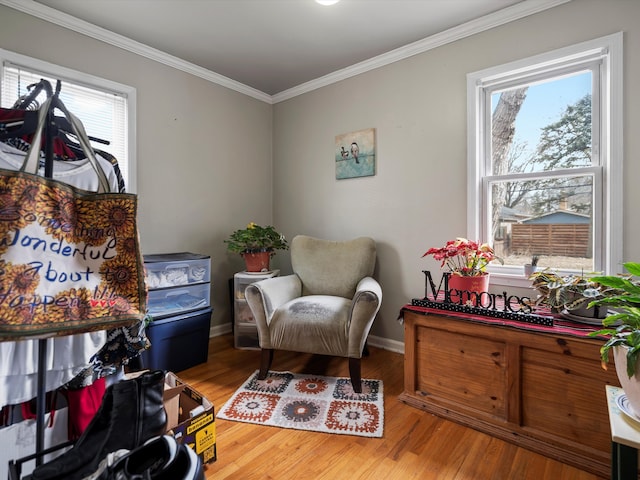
point(356, 154)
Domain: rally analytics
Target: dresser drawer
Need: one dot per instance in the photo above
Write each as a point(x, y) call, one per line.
point(176, 269)
point(183, 299)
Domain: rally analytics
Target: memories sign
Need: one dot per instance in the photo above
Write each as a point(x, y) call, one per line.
point(486, 304)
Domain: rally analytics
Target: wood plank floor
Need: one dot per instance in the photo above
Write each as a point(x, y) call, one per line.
point(415, 444)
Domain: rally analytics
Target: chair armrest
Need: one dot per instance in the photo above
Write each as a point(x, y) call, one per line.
point(365, 306)
point(265, 296)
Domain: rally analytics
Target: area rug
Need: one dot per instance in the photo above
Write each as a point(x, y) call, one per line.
point(308, 402)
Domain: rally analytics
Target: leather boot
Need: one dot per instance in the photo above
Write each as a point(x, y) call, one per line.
point(138, 415)
point(132, 412)
point(152, 417)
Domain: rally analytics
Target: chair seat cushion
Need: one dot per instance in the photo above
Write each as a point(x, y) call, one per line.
point(312, 324)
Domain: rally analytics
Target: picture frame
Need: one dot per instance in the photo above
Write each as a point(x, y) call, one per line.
point(355, 154)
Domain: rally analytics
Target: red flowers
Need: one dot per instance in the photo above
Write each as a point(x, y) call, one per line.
point(464, 257)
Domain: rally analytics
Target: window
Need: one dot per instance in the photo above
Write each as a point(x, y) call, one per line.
point(106, 109)
point(545, 160)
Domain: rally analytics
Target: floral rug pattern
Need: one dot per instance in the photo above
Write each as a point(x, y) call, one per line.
point(308, 402)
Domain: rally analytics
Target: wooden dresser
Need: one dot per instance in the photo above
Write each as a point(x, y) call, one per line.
point(541, 388)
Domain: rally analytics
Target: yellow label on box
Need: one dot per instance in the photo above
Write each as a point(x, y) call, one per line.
point(205, 438)
point(199, 423)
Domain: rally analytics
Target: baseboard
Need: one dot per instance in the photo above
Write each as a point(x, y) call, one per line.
point(379, 342)
point(218, 330)
point(386, 344)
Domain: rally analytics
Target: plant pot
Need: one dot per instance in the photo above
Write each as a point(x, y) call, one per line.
point(631, 386)
point(529, 269)
point(467, 288)
point(593, 312)
point(256, 261)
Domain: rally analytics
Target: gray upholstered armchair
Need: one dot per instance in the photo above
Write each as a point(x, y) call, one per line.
point(326, 307)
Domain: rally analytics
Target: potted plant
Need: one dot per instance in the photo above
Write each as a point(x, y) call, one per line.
point(622, 328)
point(256, 244)
point(569, 294)
point(529, 268)
point(466, 261)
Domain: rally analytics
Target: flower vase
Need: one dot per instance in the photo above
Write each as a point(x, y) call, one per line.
point(256, 261)
point(466, 289)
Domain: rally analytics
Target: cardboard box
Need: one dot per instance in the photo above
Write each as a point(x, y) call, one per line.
point(190, 417)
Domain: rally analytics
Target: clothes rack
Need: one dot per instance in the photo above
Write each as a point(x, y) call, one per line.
point(15, 465)
point(47, 138)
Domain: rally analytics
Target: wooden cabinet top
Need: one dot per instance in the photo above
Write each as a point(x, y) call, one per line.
point(561, 326)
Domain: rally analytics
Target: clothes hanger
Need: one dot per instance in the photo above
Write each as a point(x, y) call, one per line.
point(27, 121)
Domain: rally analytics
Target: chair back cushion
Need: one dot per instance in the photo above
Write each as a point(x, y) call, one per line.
point(328, 267)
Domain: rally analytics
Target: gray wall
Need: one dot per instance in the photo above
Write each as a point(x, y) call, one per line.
point(418, 106)
point(205, 162)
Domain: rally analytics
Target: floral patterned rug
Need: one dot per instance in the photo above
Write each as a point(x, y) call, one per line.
point(308, 402)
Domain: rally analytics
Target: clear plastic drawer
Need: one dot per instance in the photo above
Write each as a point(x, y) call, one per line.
point(173, 300)
point(176, 269)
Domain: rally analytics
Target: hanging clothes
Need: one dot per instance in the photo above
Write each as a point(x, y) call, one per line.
point(10, 120)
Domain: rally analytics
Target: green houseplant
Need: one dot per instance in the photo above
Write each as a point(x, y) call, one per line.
point(256, 244)
point(571, 293)
point(622, 328)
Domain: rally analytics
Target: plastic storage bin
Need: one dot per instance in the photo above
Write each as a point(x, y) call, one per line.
point(178, 342)
point(179, 302)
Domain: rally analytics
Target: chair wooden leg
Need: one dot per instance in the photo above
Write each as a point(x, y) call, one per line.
point(354, 372)
point(265, 363)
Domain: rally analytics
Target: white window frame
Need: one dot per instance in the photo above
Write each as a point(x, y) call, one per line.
point(90, 81)
point(608, 175)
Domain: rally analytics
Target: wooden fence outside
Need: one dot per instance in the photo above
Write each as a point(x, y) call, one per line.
point(569, 240)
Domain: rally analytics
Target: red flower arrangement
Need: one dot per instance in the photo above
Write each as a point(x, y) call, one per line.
point(464, 257)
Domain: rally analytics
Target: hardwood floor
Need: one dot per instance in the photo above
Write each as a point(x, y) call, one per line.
point(415, 444)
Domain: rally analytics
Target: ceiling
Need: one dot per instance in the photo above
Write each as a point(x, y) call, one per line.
point(275, 45)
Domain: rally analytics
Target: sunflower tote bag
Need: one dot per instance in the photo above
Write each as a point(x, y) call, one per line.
point(70, 259)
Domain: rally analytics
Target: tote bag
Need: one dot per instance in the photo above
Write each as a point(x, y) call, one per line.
point(70, 259)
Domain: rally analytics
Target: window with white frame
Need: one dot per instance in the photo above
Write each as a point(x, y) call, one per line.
point(105, 108)
point(545, 160)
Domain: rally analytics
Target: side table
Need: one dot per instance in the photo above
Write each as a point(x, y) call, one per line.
point(245, 332)
point(625, 439)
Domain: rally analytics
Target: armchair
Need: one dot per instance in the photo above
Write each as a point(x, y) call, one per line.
point(326, 307)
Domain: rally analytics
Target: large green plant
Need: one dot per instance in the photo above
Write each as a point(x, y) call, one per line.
point(255, 238)
point(623, 326)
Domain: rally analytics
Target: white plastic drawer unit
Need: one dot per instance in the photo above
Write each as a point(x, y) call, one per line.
point(177, 283)
point(182, 299)
point(176, 269)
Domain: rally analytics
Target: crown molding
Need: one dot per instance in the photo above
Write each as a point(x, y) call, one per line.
point(57, 17)
point(501, 17)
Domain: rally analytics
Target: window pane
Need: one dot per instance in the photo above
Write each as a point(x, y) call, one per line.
point(542, 126)
point(550, 217)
